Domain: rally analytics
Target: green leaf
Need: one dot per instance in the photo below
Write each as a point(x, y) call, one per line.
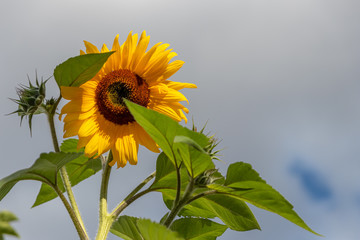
point(196, 208)
point(232, 211)
point(78, 70)
point(190, 142)
point(7, 216)
point(155, 231)
point(163, 129)
point(248, 186)
point(241, 171)
point(78, 170)
point(196, 162)
point(198, 228)
point(44, 169)
point(166, 177)
point(5, 227)
point(131, 228)
point(126, 228)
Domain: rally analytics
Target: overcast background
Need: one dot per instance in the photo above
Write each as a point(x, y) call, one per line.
point(278, 82)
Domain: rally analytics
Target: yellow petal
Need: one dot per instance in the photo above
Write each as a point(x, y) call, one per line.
point(163, 93)
point(173, 68)
point(167, 111)
point(72, 128)
point(140, 50)
point(90, 48)
point(92, 147)
point(140, 68)
point(115, 58)
point(80, 115)
point(89, 127)
point(144, 139)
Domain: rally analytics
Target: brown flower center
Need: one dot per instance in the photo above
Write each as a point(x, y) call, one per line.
point(115, 86)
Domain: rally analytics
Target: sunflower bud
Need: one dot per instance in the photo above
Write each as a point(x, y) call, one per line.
point(30, 100)
point(207, 177)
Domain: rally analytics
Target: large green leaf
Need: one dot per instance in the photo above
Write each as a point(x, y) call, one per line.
point(155, 231)
point(232, 211)
point(44, 169)
point(5, 228)
point(126, 228)
point(248, 186)
point(131, 228)
point(163, 129)
point(198, 228)
point(78, 170)
point(78, 70)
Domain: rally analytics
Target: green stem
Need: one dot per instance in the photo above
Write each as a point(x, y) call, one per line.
point(133, 196)
point(182, 202)
point(105, 219)
point(65, 176)
point(141, 185)
point(178, 185)
point(80, 230)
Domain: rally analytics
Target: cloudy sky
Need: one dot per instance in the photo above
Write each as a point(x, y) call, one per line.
point(278, 82)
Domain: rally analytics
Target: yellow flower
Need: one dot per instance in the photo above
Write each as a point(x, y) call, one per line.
point(96, 111)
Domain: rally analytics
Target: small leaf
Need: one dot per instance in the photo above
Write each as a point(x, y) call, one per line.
point(7, 216)
point(44, 169)
point(126, 228)
point(241, 171)
point(198, 228)
point(5, 227)
point(78, 70)
point(78, 170)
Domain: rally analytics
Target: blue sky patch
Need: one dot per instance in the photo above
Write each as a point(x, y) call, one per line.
point(314, 183)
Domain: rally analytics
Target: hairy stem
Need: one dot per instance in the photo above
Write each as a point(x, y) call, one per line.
point(65, 176)
point(105, 219)
point(80, 230)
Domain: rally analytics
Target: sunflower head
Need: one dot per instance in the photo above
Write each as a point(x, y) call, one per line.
point(96, 112)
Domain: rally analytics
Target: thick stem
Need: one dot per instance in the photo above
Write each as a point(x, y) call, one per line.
point(65, 176)
point(105, 219)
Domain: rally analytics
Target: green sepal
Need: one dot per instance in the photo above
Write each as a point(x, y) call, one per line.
point(78, 170)
point(78, 70)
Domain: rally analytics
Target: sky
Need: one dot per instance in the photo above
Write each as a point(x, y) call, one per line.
point(278, 82)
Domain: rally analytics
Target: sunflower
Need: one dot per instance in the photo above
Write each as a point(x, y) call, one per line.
point(96, 111)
